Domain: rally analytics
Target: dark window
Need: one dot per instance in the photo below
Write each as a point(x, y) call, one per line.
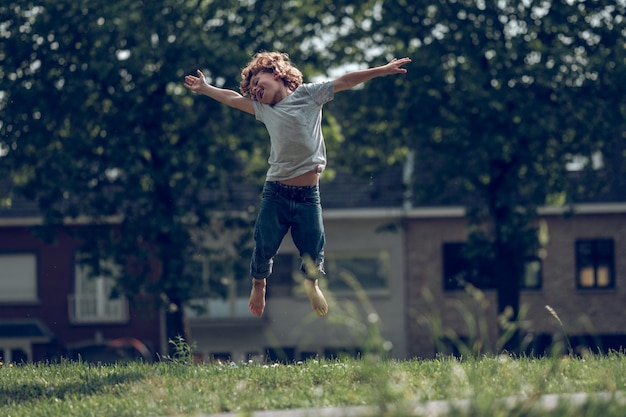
point(19, 356)
point(533, 274)
point(595, 264)
point(368, 270)
point(222, 357)
point(283, 279)
point(458, 271)
point(280, 354)
point(342, 352)
point(456, 267)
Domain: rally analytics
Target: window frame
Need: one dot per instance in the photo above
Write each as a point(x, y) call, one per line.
point(371, 254)
point(208, 305)
point(107, 309)
point(596, 261)
point(33, 297)
point(447, 270)
point(284, 283)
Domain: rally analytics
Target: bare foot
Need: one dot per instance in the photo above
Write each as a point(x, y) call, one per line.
point(257, 297)
point(318, 302)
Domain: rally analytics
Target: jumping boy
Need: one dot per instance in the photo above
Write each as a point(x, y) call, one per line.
point(272, 90)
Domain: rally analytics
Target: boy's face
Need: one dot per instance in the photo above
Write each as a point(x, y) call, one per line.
point(267, 88)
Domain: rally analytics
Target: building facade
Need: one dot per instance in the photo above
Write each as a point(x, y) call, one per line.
point(578, 300)
point(50, 309)
point(387, 283)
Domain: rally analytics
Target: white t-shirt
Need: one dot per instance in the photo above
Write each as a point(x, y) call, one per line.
point(295, 129)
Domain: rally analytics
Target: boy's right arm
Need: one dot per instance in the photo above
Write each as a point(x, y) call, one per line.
point(229, 97)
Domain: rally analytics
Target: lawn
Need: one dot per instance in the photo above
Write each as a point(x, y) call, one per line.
point(179, 388)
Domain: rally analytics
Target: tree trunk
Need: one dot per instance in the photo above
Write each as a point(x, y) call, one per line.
point(508, 275)
point(175, 323)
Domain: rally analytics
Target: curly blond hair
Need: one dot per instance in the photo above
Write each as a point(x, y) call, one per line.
point(272, 62)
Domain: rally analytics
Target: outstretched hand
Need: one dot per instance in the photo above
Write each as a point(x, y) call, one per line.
point(354, 78)
point(395, 65)
point(195, 83)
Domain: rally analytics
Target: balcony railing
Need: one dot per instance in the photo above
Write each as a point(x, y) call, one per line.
point(236, 308)
point(93, 309)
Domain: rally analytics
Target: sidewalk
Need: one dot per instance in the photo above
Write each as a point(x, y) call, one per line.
point(544, 403)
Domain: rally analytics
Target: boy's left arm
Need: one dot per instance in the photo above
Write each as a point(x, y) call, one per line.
point(351, 79)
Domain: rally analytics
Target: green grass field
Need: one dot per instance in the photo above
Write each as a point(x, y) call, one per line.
point(179, 388)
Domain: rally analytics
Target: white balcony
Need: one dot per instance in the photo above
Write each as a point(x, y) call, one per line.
point(93, 309)
point(236, 308)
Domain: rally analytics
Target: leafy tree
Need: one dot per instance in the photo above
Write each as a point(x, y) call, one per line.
point(500, 97)
point(95, 122)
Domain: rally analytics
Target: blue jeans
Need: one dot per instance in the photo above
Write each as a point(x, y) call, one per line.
point(285, 207)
